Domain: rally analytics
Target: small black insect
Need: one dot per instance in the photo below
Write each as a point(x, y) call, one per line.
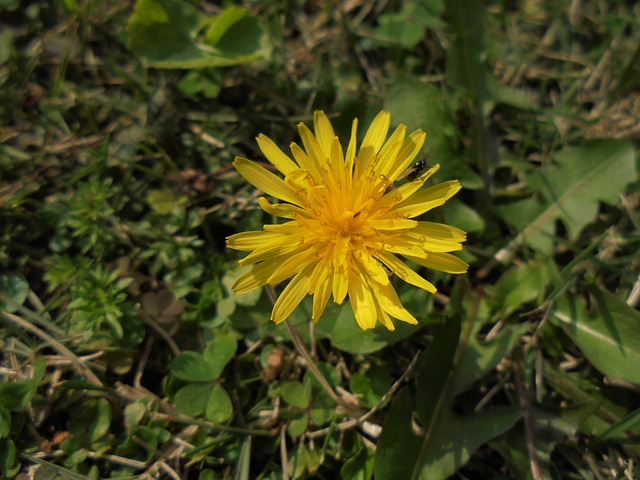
point(416, 170)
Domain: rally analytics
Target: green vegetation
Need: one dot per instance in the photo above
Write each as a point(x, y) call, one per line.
point(125, 353)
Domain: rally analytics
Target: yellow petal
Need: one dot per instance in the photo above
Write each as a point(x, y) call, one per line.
point(264, 180)
point(404, 272)
point(383, 318)
point(373, 139)
point(254, 278)
point(283, 210)
point(292, 295)
point(292, 265)
point(280, 246)
point(407, 154)
point(384, 224)
point(317, 158)
point(351, 152)
point(373, 269)
point(433, 245)
point(443, 262)
point(322, 291)
point(248, 241)
point(276, 156)
point(362, 301)
point(306, 163)
point(389, 153)
point(338, 169)
point(323, 131)
point(390, 303)
point(340, 272)
point(440, 231)
point(427, 199)
point(405, 191)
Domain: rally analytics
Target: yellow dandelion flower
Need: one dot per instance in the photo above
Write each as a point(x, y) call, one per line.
point(347, 225)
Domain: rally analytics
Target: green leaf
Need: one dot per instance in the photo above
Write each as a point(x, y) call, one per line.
point(346, 335)
point(221, 24)
point(9, 465)
point(521, 284)
point(13, 291)
point(243, 469)
point(168, 34)
point(193, 399)
point(415, 443)
point(399, 445)
point(219, 352)
point(359, 467)
point(16, 396)
point(219, 407)
point(480, 357)
point(193, 367)
point(407, 26)
point(609, 336)
point(94, 420)
point(432, 381)
point(323, 408)
point(627, 423)
point(422, 105)
point(298, 426)
point(132, 447)
point(596, 171)
point(133, 414)
point(295, 394)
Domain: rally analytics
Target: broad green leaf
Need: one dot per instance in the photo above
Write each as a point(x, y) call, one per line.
point(132, 448)
point(299, 425)
point(14, 288)
point(15, 396)
point(193, 399)
point(221, 23)
point(358, 467)
point(133, 414)
point(170, 34)
point(415, 443)
point(399, 445)
point(370, 385)
point(455, 438)
point(422, 105)
point(295, 394)
point(93, 422)
point(432, 381)
point(219, 408)
point(480, 357)
point(193, 367)
point(521, 284)
point(323, 408)
point(609, 336)
point(597, 171)
point(462, 216)
point(219, 352)
point(346, 335)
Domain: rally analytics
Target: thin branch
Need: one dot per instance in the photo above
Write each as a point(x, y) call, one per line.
point(80, 367)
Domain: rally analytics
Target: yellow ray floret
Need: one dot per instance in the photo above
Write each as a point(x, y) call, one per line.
point(348, 223)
